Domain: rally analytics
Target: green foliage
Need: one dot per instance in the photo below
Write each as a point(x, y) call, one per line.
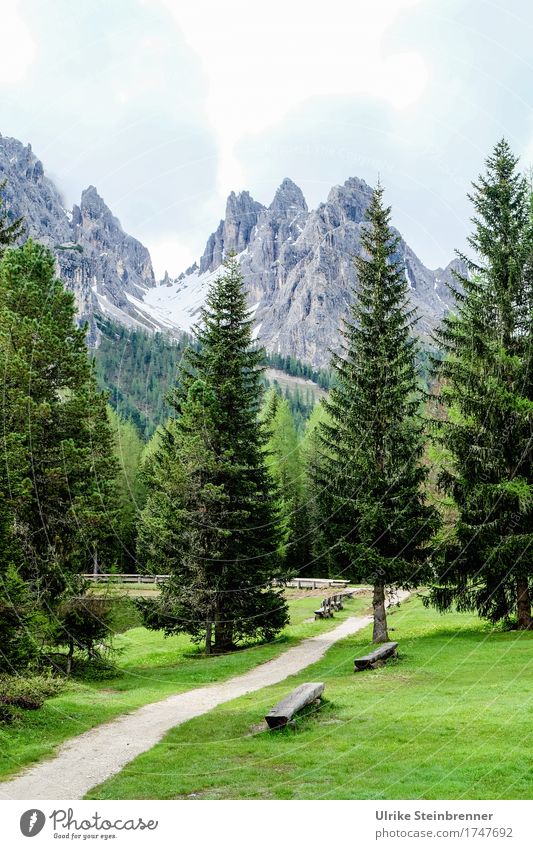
point(131, 491)
point(57, 442)
point(297, 368)
point(487, 394)
point(284, 461)
point(209, 519)
point(20, 622)
point(26, 692)
point(322, 561)
point(138, 369)
point(57, 476)
point(369, 478)
point(84, 623)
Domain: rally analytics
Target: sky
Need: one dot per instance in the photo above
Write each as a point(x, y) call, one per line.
point(167, 105)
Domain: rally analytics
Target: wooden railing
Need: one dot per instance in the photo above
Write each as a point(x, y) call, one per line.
point(122, 578)
point(315, 583)
point(113, 578)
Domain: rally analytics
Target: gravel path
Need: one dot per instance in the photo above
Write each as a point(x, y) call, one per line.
point(87, 760)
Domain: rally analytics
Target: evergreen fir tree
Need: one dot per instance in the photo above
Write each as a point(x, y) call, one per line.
point(19, 620)
point(57, 448)
point(371, 470)
point(487, 378)
point(317, 495)
point(210, 517)
point(131, 492)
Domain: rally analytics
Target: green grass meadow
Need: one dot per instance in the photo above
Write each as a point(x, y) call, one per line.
point(452, 717)
point(150, 667)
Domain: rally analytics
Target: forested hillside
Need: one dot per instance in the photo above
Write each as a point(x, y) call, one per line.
point(138, 369)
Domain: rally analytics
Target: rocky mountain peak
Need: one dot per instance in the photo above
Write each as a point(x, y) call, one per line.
point(233, 233)
point(93, 208)
point(297, 264)
point(350, 201)
point(104, 266)
point(289, 198)
point(298, 269)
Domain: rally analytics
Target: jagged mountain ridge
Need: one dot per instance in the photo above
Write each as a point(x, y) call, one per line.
point(298, 270)
point(297, 263)
point(108, 270)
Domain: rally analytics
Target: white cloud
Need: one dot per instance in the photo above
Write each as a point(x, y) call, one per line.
point(18, 47)
point(259, 67)
point(170, 254)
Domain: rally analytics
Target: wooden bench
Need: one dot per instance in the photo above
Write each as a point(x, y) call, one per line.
point(303, 695)
point(331, 603)
point(375, 658)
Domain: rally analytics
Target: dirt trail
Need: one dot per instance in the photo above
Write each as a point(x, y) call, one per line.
point(92, 757)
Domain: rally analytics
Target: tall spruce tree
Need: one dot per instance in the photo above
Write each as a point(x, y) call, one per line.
point(371, 471)
point(487, 394)
point(19, 620)
point(131, 494)
point(57, 447)
point(210, 516)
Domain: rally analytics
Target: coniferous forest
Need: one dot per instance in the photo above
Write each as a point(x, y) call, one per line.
point(402, 467)
point(346, 486)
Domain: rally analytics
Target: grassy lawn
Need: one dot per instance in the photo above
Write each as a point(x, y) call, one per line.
point(451, 718)
point(149, 667)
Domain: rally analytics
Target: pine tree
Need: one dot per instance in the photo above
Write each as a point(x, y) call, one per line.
point(131, 492)
point(57, 448)
point(487, 394)
point(19, 621)
point(210, 517)
point(317, 497)
point(284, 460)
point(378, 521)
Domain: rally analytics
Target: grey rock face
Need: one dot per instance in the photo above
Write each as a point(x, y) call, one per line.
point(233, 233)
point(100, 263)
point(297, 263)
point(299, 271)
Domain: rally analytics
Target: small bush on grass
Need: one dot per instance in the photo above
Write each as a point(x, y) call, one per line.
point(85, 624)
point(27, 692)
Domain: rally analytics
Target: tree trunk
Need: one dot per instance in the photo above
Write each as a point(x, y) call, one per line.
point(70, 655)
point(380, 634)
point(223, 635)
point(208, 635)
point(523, 604)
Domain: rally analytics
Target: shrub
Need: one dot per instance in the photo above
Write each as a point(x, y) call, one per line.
point(20, 623)
point(27, 692)
point(85, 623)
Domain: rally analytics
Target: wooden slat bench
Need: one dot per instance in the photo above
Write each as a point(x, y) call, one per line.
point(303, 695)
point(333, 602)
point(376, 657)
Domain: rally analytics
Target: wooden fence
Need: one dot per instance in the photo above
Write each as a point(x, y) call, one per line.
point(297, 583)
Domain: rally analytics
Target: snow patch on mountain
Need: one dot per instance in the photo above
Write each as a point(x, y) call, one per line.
point(177, 304)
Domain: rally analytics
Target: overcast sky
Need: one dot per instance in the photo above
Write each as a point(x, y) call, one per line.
point(167, 105)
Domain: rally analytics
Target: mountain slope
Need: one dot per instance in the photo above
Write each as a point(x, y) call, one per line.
point(107, 269)
point(297, 263)
point(298, 270)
